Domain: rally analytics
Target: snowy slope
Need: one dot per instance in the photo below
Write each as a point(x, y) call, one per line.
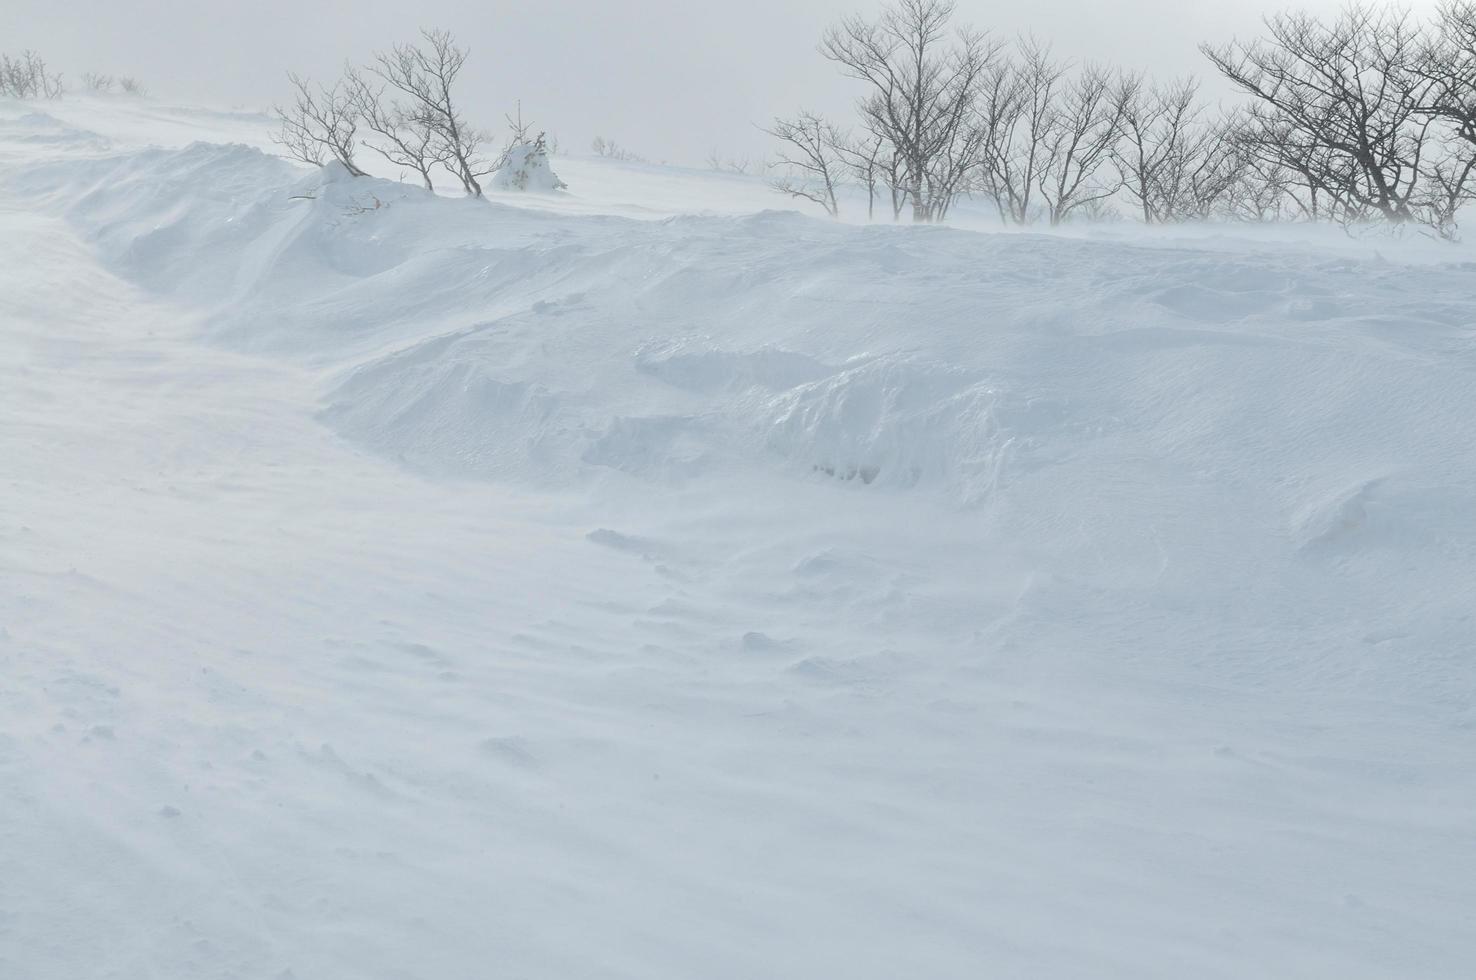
point(568, 586)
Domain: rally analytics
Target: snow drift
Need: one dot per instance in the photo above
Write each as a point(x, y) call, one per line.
point(744, 595)
point(484, 340)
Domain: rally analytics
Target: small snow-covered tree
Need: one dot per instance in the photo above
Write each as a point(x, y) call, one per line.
point(526, 168)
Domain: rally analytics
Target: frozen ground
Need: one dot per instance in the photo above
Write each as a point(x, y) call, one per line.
point(639, 583)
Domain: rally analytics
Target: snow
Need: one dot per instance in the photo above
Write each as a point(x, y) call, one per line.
point(527, 169)
point(641, 581)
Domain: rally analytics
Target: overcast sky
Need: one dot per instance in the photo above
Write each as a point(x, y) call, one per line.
point(672, 79)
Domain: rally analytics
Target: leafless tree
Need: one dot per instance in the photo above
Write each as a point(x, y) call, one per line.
point(810, 161)
point(321, 124)
point(1019, 118)
point(1174, 164)
point(1213, 168)
point(1338, 102)
point(895, 170)
point(94, 82)
point(1447, 62)
point(1264, 189)
point(425, 75)
point(1446, 70)
point(922, 79)
point(1080, 143)
point(131, 85)
point(27, 77)
point(1263, 143)
point(718, 163)
point(867, 162)
point(520, 132)
point(403, 133)
point(611, 150)
point(1098, 210)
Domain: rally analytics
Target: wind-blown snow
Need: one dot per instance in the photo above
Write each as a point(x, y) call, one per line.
point(403, 586)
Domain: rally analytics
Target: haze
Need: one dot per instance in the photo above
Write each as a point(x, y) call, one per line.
point(672, 80)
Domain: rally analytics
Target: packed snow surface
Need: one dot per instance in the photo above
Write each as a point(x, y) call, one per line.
point(637, 582)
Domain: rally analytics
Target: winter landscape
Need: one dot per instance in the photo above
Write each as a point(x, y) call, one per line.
point(1016, 520)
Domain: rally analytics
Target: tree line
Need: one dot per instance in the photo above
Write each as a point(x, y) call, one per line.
point(1367, 116)
point(405, 106)
point(27, 76)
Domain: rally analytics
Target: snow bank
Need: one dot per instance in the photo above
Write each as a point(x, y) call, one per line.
point(484, 340)
point(889, 597)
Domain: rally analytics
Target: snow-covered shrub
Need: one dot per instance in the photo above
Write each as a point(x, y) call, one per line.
point(527, 169)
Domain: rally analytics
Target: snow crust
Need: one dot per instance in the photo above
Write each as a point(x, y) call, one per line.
point(402, 586)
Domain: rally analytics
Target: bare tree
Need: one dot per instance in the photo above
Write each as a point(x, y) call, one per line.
point(131, 85)
point(866, 160)
point(810, 159)
point(94, 82)
point(896, 178)
point(426, 75)
point(611, 150)
point(741, 165)
point(1339, 103)
point(1019, 119)
point(1079, 146)
point(1263, 143)
point(1173, 164)
point(405, 135)
point(922, 80)
point(26, 77)
point(320, 125)
point(1263, 189)
point(1446, 65)
point(1212, 169)
point(1447, 62)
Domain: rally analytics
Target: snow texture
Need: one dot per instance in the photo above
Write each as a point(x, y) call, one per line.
point(638, 582)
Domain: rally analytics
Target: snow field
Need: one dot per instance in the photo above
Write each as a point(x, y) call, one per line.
point(441, 589)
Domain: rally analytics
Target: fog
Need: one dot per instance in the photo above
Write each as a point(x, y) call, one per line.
point(670, 79)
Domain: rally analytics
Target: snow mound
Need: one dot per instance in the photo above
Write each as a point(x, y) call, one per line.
point(502, 343)
point(898, 422)
point(32, 130)
point(935, 588)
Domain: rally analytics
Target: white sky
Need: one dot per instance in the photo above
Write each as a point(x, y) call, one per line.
point(671, 79)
